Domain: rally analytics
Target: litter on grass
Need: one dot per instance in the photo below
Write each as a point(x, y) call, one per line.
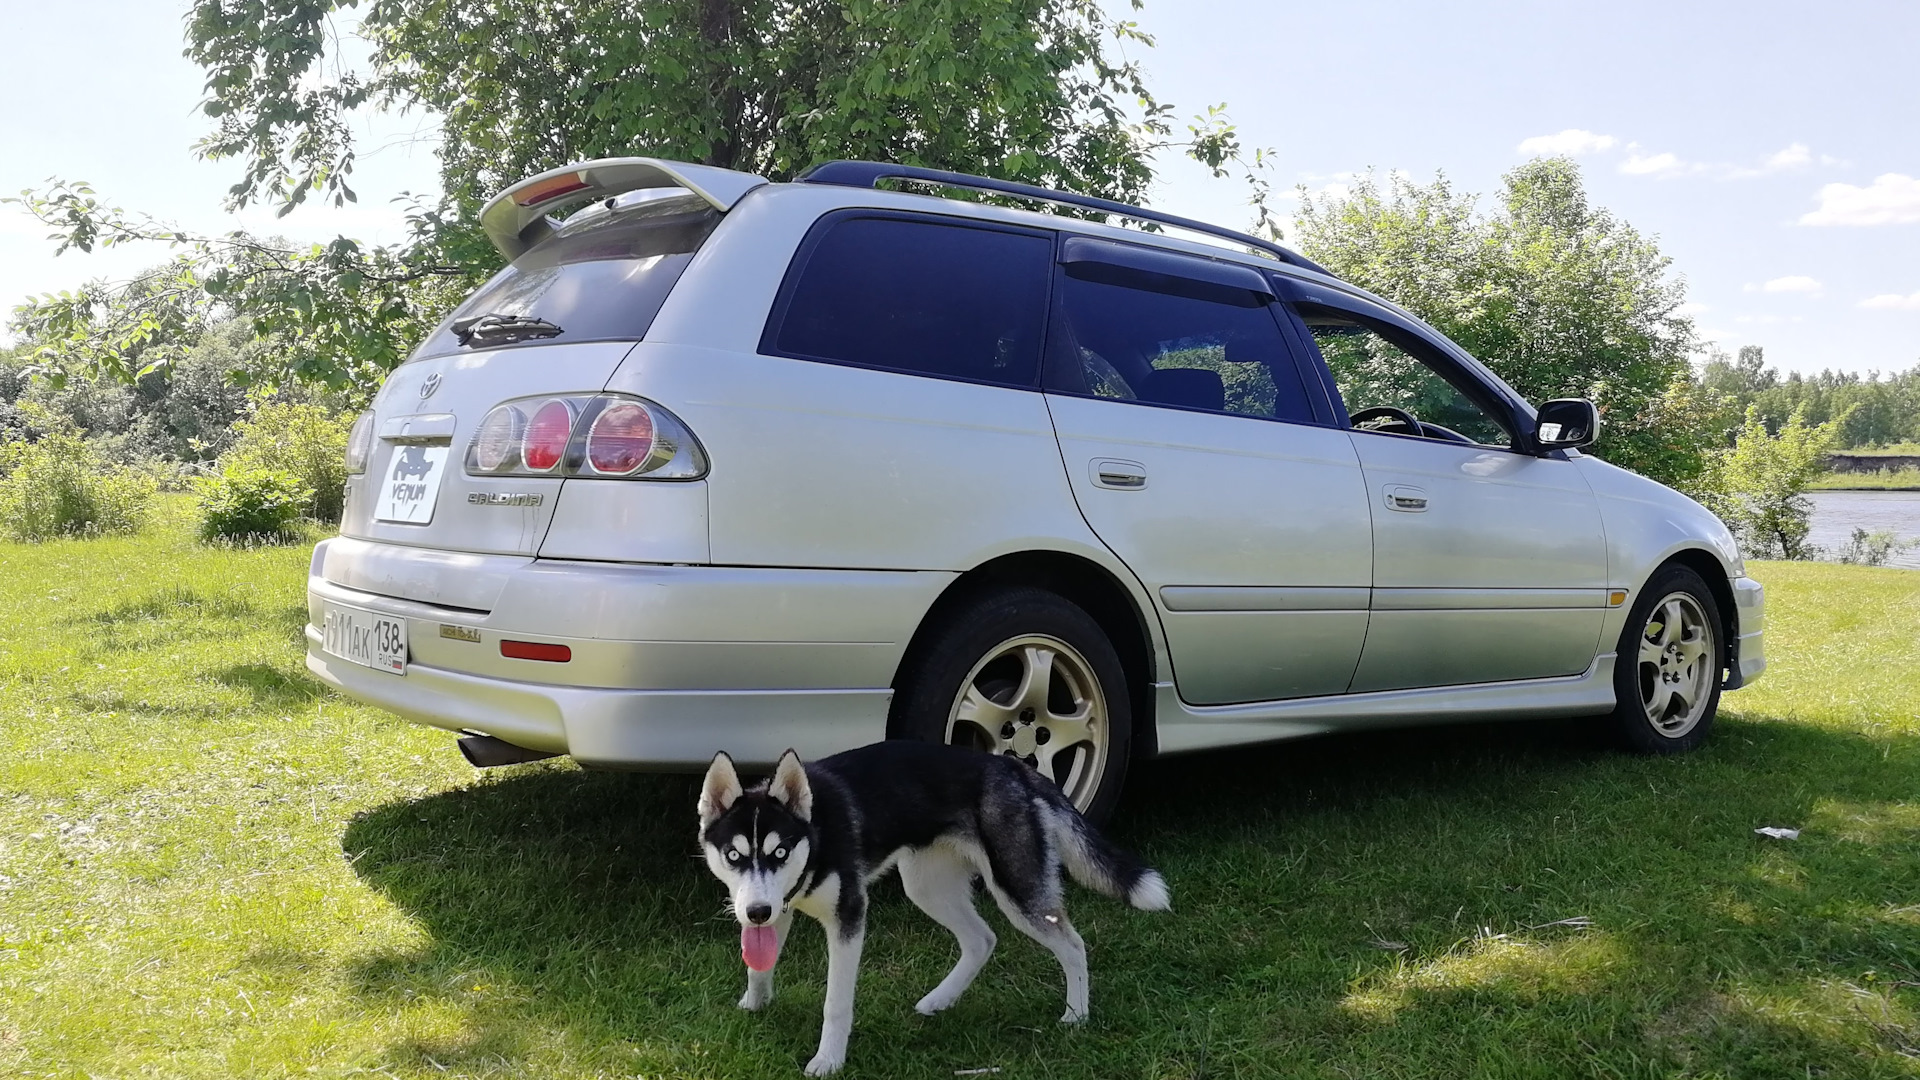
point(1778, 833)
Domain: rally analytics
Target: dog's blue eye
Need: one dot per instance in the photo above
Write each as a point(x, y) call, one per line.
point(779, 853)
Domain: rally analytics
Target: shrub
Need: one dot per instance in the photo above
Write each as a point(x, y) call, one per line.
point(1872, 549)
point(248, 504)
point(305, 441)
point(1757, 486)
point(58, 487)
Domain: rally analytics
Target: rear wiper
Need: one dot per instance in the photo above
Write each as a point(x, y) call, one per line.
point(496, 329)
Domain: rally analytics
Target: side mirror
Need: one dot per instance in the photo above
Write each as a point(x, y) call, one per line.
point(1566, 422)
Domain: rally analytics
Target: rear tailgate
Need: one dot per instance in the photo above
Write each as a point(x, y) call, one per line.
point(423, 420)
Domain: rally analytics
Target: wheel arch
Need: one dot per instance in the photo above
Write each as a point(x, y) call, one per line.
point(1083, 582)
point(1708, 565)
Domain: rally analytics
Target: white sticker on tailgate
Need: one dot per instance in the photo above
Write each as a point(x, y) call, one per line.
point(412, 484)
point(365, 638)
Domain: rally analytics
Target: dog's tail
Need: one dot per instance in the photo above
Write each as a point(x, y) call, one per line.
point(1103, 866)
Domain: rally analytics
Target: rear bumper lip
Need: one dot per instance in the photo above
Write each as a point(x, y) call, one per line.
point(1749, 648)
point(623, 728)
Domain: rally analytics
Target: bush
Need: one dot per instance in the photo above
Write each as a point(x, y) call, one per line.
point(58, 487)
point(305, 441)
point(1757, 487)
point(1872, 549)
point(246, 504)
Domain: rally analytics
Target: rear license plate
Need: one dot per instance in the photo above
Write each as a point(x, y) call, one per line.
point(412, 484)
point(365, 638)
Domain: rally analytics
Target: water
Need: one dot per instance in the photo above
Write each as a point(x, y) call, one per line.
point(1837, 513)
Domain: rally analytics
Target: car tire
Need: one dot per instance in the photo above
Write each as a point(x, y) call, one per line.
point(975, 682)
point(1666, 675)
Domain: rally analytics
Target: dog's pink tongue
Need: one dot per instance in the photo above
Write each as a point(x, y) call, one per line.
point(759, 947)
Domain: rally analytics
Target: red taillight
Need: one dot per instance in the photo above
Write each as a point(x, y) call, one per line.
point(550, 189)
point(536, 650)
point(547, 434)
point(498, 439)
point(621, 439)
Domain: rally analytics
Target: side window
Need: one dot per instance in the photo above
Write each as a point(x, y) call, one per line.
point(1372, 371)
point(1216, 352)
point(955, 301)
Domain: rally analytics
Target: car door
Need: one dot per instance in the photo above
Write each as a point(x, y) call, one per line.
point(1489, 562)
point(1197, 453)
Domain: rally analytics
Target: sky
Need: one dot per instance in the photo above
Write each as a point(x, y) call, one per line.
point(1773, 149)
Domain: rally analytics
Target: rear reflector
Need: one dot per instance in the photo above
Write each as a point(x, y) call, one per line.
point(550, 189)
point(536, 650)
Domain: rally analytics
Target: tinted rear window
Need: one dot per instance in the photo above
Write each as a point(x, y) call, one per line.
point(956, 301)
point(602, 279)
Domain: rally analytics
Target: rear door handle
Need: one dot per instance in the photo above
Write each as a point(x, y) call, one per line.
point(1118, 474)
point(1408, 500)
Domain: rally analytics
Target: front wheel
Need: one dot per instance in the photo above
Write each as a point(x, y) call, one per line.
point(1666, 678)
point(1026, 674)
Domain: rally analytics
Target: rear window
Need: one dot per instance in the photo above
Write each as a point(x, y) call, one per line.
point(907, 294)
point(602, 279)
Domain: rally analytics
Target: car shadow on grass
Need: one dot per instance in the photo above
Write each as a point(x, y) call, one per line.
point(1364, 904)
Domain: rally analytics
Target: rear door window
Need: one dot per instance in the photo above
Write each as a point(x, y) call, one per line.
point(904, 293)
point(1127, 337)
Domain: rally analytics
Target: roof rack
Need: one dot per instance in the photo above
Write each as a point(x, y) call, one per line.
point(868, 174)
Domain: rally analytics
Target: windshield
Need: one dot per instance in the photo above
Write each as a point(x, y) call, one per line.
point(603, 278)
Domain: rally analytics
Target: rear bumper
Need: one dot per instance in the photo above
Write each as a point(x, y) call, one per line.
point(1749, 658)
point(669, 663)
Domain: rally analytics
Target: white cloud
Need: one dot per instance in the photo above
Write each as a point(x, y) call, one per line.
point(1690, 308)
point(1768, 320)
point(1893, 302)
point(1892, 199)
point(1797, 283)
point(1792, 157)
point(1572, 142)
point(1656, 165)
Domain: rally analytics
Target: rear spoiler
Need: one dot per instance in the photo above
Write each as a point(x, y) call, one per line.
point(516, 219)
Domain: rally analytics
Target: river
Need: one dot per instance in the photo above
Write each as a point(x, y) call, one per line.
point(1837, 513)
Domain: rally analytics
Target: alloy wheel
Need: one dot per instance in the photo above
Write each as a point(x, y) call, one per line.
point(1035, 698)
point(1677, 665)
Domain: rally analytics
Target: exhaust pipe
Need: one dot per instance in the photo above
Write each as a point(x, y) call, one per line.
point(485, 752)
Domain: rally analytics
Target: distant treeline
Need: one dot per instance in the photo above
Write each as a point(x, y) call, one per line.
point(1885, 409)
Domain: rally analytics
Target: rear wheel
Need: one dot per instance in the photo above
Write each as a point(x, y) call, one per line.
point(1667, 676)
point(1025, 674)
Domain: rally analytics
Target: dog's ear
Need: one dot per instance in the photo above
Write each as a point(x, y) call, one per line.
point(722, 787)
point(789, 786)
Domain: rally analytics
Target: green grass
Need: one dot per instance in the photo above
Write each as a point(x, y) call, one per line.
point(209, 867)
point(1885, 480)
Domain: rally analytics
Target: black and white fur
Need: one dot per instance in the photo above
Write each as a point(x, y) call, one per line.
point(812, 837)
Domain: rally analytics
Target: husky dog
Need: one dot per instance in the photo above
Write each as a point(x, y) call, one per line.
point(812, 837)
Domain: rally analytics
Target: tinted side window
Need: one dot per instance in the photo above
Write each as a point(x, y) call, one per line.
point(950, 300)
point(1141, 344)
point(1373, 369)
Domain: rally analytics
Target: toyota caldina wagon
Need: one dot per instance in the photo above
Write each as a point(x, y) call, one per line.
point(724, 464)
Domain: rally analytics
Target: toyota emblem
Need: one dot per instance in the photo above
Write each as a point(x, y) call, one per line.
point(427, 388)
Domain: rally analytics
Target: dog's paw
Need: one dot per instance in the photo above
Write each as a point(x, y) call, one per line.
point(756, 998)
point(824, 1064)
point(1073, 1016)
point(935, 1001)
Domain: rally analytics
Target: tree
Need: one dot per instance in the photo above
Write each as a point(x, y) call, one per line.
point(1028, 90)
point(1759, 484)
point(1557, 296)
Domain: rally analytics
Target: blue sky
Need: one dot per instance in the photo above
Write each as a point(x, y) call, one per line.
point(1773, 148)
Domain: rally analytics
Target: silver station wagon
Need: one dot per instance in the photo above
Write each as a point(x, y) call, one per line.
point(724, 464)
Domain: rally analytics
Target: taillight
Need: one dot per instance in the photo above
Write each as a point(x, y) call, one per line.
point(496, 445)
point(360, 444)
point(621, 439)
point(547, 433)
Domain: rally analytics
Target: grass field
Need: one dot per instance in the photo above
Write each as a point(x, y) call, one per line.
point(1888, 480)
point(211, 868)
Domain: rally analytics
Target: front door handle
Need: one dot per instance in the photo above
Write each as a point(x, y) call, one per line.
point(1118, 474)
point(1407, 500)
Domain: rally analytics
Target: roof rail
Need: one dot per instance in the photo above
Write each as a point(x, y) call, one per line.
point(868, 174)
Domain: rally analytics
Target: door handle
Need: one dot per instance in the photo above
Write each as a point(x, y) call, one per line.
point(1118, 475)
point(1408, 500)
